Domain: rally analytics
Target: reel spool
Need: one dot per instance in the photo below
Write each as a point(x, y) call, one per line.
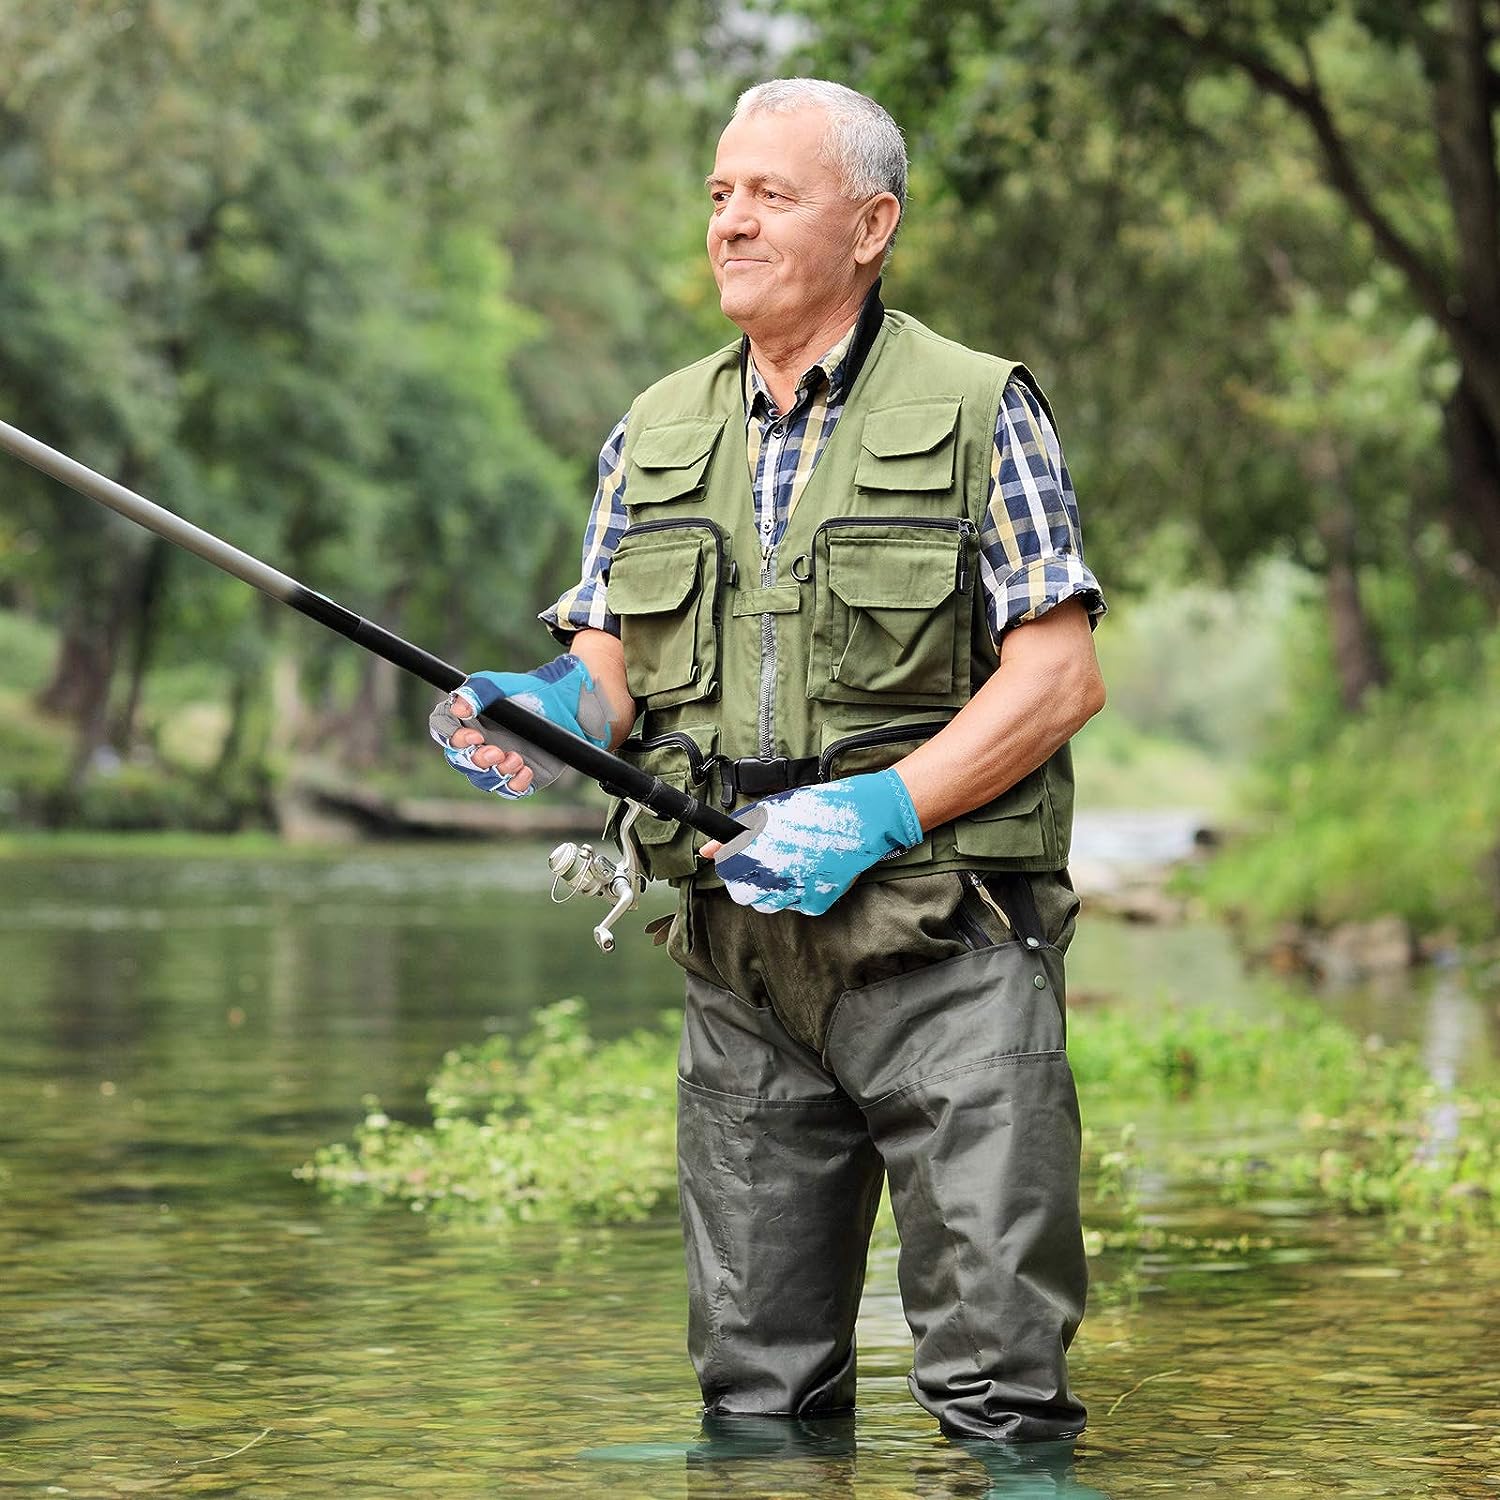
point(580, 870)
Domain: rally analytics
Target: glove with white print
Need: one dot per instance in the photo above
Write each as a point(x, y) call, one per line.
point(806, 847)
point(561, 692)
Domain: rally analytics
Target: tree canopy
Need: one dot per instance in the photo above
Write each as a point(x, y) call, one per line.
point(363, 286)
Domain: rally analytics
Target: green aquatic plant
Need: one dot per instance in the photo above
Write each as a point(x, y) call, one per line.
point(559, 1126)
point(1426, 1156)
point(1278, 1059)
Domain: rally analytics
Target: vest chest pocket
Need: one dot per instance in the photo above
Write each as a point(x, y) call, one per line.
point(664, 583)
point(909, 449)
point(891, 611)
point(669, 462)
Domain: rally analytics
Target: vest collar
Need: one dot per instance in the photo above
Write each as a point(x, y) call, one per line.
point(842, 377)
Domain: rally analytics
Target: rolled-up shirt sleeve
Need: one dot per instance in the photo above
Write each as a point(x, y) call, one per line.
point(1031, 543)
point(582, 607)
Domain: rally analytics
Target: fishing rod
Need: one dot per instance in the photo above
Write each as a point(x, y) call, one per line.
point(577, 868)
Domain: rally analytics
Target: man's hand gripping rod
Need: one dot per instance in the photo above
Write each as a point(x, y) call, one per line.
point(580, 868)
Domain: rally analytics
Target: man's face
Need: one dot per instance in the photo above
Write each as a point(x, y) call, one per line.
point(781, 234)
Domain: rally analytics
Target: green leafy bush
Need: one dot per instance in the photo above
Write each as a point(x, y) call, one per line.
point(1396, 811)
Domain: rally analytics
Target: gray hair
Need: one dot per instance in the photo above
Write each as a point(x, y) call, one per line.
point(863, 143)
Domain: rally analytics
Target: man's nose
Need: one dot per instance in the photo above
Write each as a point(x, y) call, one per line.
point(736, 218)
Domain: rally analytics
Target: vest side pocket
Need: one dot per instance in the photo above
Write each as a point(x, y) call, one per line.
point(670, 848)
point(664, 584)
point(891, 611)
point(1014, 826)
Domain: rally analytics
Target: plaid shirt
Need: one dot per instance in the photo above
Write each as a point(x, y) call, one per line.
point(1031, 545)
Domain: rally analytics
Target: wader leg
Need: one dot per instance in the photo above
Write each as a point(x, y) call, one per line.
point(779, 1185)
point(961, 1072)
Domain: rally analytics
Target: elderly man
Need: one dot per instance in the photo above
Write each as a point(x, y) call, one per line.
point(833, 575)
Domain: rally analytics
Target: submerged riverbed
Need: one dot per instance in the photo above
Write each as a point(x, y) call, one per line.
point(182, 1316)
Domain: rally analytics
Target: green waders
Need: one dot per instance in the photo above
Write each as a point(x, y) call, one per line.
point(908, 1032)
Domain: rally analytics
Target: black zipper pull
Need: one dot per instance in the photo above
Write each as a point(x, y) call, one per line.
point(966, 529)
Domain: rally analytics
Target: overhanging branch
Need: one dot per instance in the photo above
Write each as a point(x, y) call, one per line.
point(1307, 99)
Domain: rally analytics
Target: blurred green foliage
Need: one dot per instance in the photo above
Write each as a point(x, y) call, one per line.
point(1397, 810)
point(352, 285)
point(364, 285)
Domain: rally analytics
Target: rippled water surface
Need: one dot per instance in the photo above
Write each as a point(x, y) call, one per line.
point(180, 1316)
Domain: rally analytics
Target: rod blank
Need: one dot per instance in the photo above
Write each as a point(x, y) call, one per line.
point(616, 776)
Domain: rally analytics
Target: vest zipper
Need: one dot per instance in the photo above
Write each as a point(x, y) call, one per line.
point(961, 524)
point(890, 735)
point(968, 926)
point(712, 527)
point(765, 719)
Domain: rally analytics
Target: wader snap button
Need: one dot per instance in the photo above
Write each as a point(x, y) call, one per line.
point(1033, 942)
point(1039, 982)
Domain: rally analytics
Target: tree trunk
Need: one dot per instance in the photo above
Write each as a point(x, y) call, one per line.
point(244, 742)
point(372, 712)
point(144, 605)
point(82, 662)
point(1463, 120)
point(1474, 501)
point(241, 695)
point(84, 668)
point(1357, 658)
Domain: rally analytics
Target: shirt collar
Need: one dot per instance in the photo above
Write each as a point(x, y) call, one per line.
point(838, 367)
point(829, 368)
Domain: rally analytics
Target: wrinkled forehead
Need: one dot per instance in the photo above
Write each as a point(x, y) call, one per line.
point(765, 147)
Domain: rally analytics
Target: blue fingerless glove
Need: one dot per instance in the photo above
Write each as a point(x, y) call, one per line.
point(562, 692)
point(806, 847)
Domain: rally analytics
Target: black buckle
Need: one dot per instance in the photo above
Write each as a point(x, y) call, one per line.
point(759, 778)
point(752, 778)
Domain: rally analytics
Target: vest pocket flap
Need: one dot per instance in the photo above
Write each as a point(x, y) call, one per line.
point(1015, 802)
point(910, 573)
point(908, 447)
point(1012, 826)
point(670, 460)
point(895, 431)
point(653, 581)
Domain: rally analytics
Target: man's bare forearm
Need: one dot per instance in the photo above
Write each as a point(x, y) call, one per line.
point(603, 655)
point(1045, 689)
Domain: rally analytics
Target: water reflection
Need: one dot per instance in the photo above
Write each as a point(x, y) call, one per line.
point(170, 1293)
point(754, 1456)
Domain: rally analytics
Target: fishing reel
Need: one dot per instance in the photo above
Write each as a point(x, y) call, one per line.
point(578, 869)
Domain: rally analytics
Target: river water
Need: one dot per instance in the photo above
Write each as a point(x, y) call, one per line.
point(179, 1315)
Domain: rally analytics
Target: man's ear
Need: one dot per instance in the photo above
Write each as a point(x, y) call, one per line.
point(877, 223)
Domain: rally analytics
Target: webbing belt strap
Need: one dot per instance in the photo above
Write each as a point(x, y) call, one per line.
point(752, 778)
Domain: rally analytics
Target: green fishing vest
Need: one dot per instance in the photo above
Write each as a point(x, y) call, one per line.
point(861, 634)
